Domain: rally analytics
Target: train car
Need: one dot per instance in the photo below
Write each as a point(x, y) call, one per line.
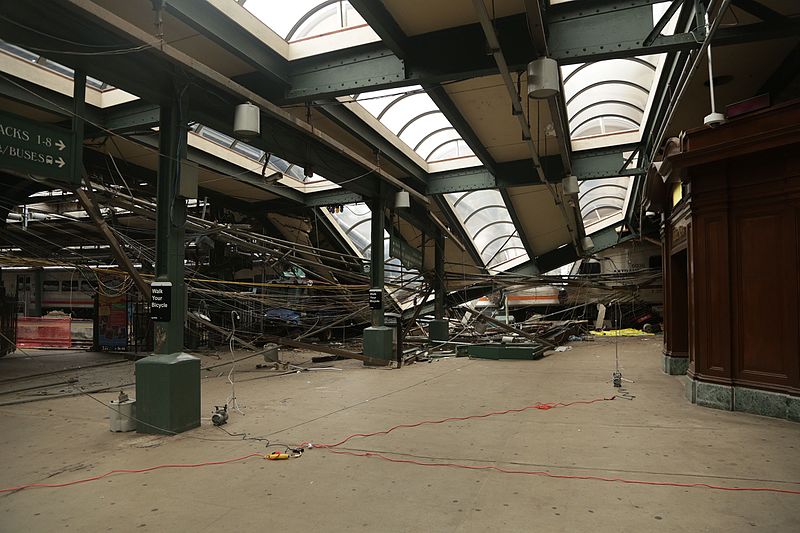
point(62, 289)
point(638, 266)
point(545, 295)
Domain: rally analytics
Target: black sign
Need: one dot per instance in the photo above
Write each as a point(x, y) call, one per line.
point(161, 301)
point(376, 299)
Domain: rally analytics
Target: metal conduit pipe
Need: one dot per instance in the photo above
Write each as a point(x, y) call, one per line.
point(688, 71)
point(516, 103)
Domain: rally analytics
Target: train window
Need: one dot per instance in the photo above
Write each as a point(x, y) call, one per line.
point(23, 283)
point(50, 285)
point(655, 262)
point(86, 286)
point(69, 285)
point(589, 268)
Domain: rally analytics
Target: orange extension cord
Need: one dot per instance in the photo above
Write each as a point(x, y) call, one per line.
point(371, 454)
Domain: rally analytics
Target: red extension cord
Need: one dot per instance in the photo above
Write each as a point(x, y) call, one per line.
point(329, 447)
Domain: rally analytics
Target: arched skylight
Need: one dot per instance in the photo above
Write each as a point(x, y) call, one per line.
point(488, 223)
point(355, 222)
point(295, 20)
point(603, 202)
point(412, 115)
point(607, 96)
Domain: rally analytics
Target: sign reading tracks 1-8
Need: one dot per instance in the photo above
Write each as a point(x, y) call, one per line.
point(34, 148)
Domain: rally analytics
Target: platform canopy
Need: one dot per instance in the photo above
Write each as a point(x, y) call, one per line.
point(365, 98)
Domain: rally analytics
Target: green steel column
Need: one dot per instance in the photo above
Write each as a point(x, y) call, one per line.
point(377, 277)
point(170, 222)
point(168, 382)
point(439, 287)
point(377, 337)
point(438, 328)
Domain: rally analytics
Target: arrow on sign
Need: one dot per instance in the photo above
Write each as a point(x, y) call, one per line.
point(60, 162)
point(61, 146)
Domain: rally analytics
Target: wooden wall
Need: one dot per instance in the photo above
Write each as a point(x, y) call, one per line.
point(743, 242)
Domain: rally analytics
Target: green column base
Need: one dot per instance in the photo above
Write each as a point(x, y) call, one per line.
point(378, 343)
point(167, 393)
point(674, 366)
point(439, 330)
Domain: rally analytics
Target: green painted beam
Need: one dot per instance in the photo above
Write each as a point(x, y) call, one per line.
point(587, 165)
point(367, 134)
point(382, 22)
point(512, 212)
point(42, 98)
point(134, 116)
point(170, 229)
point(344, 72)
point(471, 179)
point(603, 162)
point(577, 34)
point(331, 197)
point(225, 32)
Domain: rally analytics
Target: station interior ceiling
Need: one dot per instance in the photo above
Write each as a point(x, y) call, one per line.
point(361, 100)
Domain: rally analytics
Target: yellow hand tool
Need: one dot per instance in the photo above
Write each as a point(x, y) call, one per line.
point(276, 456)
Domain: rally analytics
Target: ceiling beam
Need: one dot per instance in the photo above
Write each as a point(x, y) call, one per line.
point(207, 91)
point(368, 135)
point(490, 167)
point(587, 165)
point(42, 98)
point(135, 116)
point(786, 73)
point(331, 197)
point(205, 18)
point(460, 53)
point(235, 172)
point(382, 22)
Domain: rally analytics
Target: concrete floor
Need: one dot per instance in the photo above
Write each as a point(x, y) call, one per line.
point(657, 436)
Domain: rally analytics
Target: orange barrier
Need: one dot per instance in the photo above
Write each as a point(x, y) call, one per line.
point(44, 332)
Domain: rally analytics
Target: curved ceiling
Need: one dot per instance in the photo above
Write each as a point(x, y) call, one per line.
point(488, 223)
point(302, 19)
point(415, 119)
point(608, 96)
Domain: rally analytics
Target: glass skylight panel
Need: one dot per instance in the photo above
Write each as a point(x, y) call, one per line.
point(27, 55)
point(608, 96)
point(216, 136)
point(488, 223)
point(248, 151)
point(603, 201)
point(415, 119)
point(295, 20)
point(256, 154)
point(355, 222)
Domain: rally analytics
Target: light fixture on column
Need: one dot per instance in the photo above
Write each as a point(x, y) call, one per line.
point(713, 119)
point(587, 244)
point(402, 200)
point(247, 120)
point(570, 185)
point(543, 80)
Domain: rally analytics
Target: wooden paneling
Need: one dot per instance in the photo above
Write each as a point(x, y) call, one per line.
point(712, 299)
point(765, 274)
point(743, 253)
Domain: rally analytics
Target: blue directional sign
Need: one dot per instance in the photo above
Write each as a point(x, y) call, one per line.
point(34, 148)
